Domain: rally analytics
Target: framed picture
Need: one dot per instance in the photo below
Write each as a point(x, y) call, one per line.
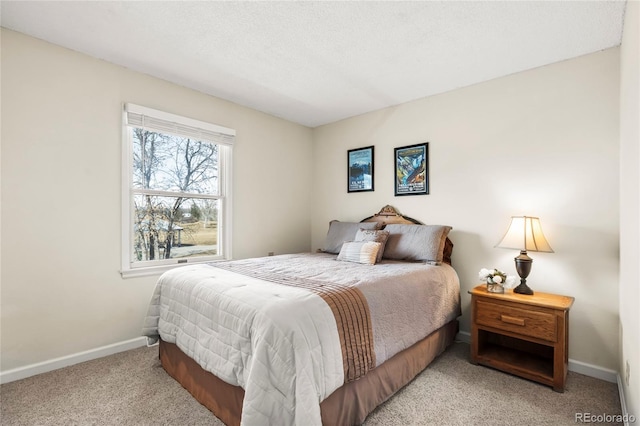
point(360, 169)
point(412, 169)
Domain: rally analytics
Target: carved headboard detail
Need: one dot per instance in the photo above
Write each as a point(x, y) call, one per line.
point(388, 214)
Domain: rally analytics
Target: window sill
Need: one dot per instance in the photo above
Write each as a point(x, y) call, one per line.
point(160, 269)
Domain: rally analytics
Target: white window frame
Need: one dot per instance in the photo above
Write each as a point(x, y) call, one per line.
point(164, 122)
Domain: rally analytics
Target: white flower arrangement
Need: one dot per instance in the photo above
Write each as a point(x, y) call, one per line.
point(496, 276)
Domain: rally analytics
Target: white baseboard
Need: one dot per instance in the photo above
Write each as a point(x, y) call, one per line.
point(464, 337)
point(54, 364)
point(593, 371)
point(623, 404)
point(65, 361)
point(575, 366)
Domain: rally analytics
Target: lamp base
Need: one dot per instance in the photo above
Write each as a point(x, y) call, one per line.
point(523, 288)
point(523, 267)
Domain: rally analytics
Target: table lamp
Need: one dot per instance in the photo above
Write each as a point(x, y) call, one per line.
point(524, 234)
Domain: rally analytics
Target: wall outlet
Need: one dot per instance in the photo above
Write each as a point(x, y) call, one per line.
point(271, 253)
point(627, 373)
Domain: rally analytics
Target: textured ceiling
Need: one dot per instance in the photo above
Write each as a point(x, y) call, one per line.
point(318, 62)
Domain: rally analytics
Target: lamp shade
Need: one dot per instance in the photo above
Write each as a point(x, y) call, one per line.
point(525, 233)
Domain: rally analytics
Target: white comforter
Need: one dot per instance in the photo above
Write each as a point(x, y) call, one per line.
point(280, 343)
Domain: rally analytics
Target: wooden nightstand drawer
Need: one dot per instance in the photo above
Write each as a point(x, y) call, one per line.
point(537, 323)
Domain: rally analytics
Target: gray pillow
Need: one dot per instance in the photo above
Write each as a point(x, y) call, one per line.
point(374, 235)
point(416, 242)
point(339, 232)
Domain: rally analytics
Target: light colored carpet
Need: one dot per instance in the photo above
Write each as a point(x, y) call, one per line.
point(131, 388)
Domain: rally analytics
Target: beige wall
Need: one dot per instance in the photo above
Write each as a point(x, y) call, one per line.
point(543, 143)
point(61, 182)
point(630, 207)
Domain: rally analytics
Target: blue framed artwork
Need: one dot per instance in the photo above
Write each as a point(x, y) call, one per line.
point(412, 169)
point(360, 169)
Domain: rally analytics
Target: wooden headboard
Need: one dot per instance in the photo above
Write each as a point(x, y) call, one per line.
point(388, 215)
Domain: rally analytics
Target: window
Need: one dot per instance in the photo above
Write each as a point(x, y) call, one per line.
point(176, 193)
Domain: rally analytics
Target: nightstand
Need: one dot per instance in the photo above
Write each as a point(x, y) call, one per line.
point(523, 335)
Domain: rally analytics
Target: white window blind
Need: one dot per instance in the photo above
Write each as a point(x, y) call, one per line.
point(159, 121)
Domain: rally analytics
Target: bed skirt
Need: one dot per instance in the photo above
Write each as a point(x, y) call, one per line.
point(348, 405)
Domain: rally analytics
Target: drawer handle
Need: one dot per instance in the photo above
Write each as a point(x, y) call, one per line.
point(512, 320)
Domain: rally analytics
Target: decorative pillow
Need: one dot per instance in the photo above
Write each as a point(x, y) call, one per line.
point(374, 235)
point(339, 232)
point(416, 242)
point(360, 252)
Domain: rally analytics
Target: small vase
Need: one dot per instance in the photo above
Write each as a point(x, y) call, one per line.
point(494, 288)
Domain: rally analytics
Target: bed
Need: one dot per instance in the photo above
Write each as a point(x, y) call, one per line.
point(310, 338)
